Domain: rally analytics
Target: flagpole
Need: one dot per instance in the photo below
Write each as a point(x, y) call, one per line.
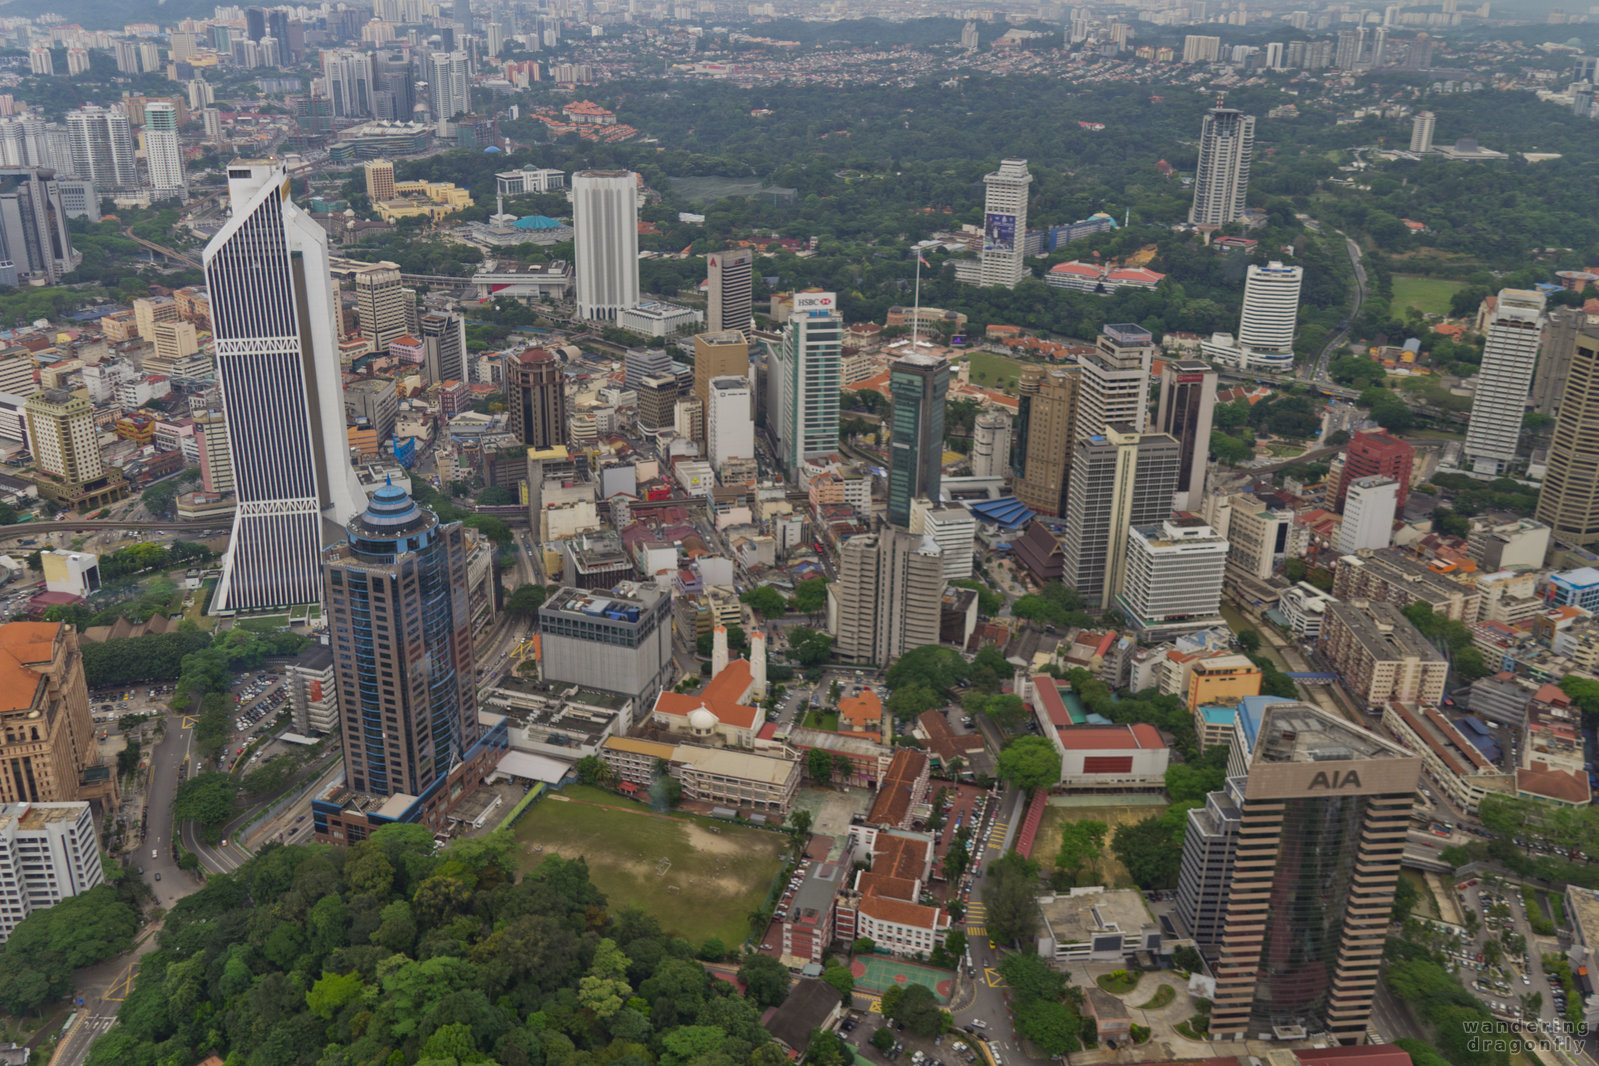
point(916, 314)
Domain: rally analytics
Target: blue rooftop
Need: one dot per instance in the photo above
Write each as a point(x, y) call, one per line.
point(1251, 709)
point(536, 222)
point(1007, 511)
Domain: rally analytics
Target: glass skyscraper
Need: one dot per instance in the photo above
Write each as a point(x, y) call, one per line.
point(918, 384)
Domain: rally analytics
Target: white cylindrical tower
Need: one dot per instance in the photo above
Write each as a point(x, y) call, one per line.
point(605, 229)
point(758, 663)
point(1271, 311)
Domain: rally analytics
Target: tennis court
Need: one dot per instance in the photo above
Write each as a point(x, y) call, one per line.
point(879, 973)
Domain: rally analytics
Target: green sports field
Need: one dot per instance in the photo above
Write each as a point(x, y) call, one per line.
point(699, 876)
point(992, 371)
point(1430, 296)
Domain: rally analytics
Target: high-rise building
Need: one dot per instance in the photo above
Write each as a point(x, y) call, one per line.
point(1173, 575)
point(657, 403)
point(1005, 224)
point(1046, 414)
point(729, 290)
point(394, 92)
point(1288, 873)
point(1555, 354)
point(448, 82)
point(348, 74)
point(255, 24)
point(48, 853)
point(1113, 382)
point(401, 637)
point(1270, 315)
point(41, 61)
point(718, 355)
point(917, 385)
point(991, 444)
point(1569, 502)
point(379, 174)
point(162, 152)
point(888, 596)
point(1422, 124)
point(34, 239)
point(1369, 507)
point(605, 228)
point(47, 748)
point(537, 391)
point(729, 427)
point(1221, 181)
point(443, 345)
point(216, 466)
point(805, 376)
point(278, 372)
point(63, 436)
point(1198, 48)
point(1187, 404)
point(1373, 454)
point(1509, 355)
point(102, 148)
point(1117, 481)
point(380, 305)
point(614, 640)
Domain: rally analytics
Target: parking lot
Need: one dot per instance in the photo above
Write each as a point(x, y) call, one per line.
point(1499, 977)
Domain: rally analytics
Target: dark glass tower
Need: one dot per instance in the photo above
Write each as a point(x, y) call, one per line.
point(918, 384)
point(402, 646)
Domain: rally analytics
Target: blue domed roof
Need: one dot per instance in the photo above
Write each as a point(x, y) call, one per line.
point(536, 222)
point(492, 148)
point(390, 508)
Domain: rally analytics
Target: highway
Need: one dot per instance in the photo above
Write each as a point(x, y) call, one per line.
point(1325, 358)
point(68, 525)
point(170, 253)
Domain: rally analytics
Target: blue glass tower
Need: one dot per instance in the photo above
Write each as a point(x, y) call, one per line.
point(402, 646)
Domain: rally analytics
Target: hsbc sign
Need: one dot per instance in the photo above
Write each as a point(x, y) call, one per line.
point(815, 301)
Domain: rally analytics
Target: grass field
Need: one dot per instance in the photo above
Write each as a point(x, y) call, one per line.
point(700, 877)
point(1111, 872)
point(992, 371)
point(1430, 296)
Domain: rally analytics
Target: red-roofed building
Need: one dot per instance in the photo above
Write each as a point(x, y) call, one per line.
point(1112, 757)
point(717, 713)
point(861, 714)
point(1369, 1055)
point(882, 904)
point(903, 788)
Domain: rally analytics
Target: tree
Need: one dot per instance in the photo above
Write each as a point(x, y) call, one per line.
point(1186, 958)
point(810, 595)
point(883, 1039)
point(800, 819)
point(810, 647)
point(819, 765)
point(841, 979)
point(524, 603)
point(766, 601)
point(604, 989)
point(1010, 897)
point(827, 1048)
point(1082, 843)
point(916, 1006)
point(1146, 848)
point(958, 859)
point(1030, 763)
point(862, 945)
point(591, 770)
point(206, 799)
point(1249, 640)
point(1007, 711)
point(765, 980)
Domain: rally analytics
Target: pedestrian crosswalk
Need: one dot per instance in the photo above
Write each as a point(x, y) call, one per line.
point(976, 915)
point(996, 836)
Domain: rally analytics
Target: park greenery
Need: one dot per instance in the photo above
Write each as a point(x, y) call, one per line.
point(392, 951)
point(37, 960)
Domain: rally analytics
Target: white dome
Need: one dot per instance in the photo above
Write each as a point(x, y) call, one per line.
point(701, 720)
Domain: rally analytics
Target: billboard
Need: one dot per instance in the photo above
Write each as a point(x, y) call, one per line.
point(815, 301)
point(999, 233)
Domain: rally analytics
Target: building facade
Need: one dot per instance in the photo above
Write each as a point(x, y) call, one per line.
point(1221, 181)
point(1113, 381)
point(102, 149)
point(278, 374)
point(1510, 353)
point(918, 384)
point(729, 428)
point(991, 444)
point(1045, 420)
point(1380, 657)
point(162, 153)
point(48, 853)
point(47, 746)
point(605, 226)
point(1569, 502)
point(729, 290)
point(1373, 454)
point(538, 398)
point(888, 596)
point(1118, 481)
point(1270, 316)
point(804, 380)
point(1187, 405)
point(1173, 575)
point(1005, 224)
point(617, 640)
point(1370, 504)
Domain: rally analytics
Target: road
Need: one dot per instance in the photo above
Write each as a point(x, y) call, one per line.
point(1325, 358)
point(170, 253)
point(67, 525)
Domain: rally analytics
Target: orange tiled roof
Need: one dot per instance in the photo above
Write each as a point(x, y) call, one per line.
point(860, 711)
point(24, 646)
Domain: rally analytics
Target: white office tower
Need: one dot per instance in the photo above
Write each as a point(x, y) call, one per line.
point(1369, 510)
point(48, 852)
point(729, 288)
point(1509, 355)
point(888, 597)
point(1113, 382)
point(1421, 127)
point(24, 143)
point(102, 148)
point(447, 81)
point(1270, 315)
point(1005, 224)
point(348, 74)
point(278, 373)
point(991, 436)
point(162, 152)
point(605, 229)
point(729, 426)
point(1226, 146)
point(805, 375)
point(1173, 574)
